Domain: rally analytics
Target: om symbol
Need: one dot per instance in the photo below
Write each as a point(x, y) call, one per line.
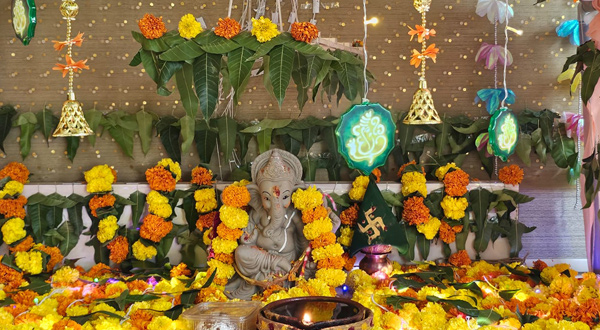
point(508, 138)
point(369, 139)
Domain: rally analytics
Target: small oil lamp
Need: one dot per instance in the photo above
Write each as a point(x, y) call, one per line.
point(306, 320)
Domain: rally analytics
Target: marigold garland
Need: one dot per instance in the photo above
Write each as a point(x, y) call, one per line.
point(119, 249)
point(54, 252)
point(227, 28)
point(152, 27)
point(304, 31)
point(143, 252)
point(206, 221)
point(160, 179)
point(235, 196)
point(13, 230)
point(349, 215)
point(460, 258)
point(415, 212)
point(10, 208)
point(512, 175)
point(155, 228)
point(322, 240)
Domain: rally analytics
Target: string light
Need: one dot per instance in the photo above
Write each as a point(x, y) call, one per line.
point(516, 31)
point(373, 21)
point(366, 56)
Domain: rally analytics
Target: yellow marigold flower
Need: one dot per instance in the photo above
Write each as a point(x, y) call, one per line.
point(2, 296)
point(440, 173)
point(414, 182)
point(161, 210)
point(430, 228)
point(223, 270)
point(357, 194)
point(161, 323)
point(30, 262)
point(361, 181)
point(114, 290)
point(307, 199)
point(563, 284)
point(107, 228)
point(65, 275)
point(263, 29)
point(346, 234)
point(454, 208)
point(171, 166)
point(330, 251)
point(13, 230)
point(188, 27)
point(206, 237)
point(6, 317)
point(333, 277)
point(99, 179)
point(13, 187)
point(317, 227)
point(278, 296)
point(433, 316)
point(233, 217)
point(142, 252)
point(154, 197)
point(358, 277)
point(220, 245)
point(77, 310)
point(205, 200)
point(391, 321)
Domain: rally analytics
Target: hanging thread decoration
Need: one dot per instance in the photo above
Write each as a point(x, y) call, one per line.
point(422, 110)
point(72, 121)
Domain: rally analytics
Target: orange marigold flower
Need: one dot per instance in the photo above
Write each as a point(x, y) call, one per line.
point(98, 202)
point(155, 228)
point(456, 183)
point(227, 233)
point(66, 323)
point(140, 319)
point(202, 176)
point(377, 173)
point(403, 167)
point(24, 246)
point(16, 171)
point(415, 211)
point(457, 229)
point(12, 208)
point(205, 220)
point(447, 234)
point(119, 249)
point(224, 258)
point(324, 239)
point(317, 213)
point(349, 215)
point(460, 258)
point(16, 309)
point(137, 286)
point(25, 297)
point(152, 27)
point(227, 28)
point(98, 270)
point(304, 31)
point(114, 173)
point(332, 263)
point(539, 265)
point(180, 270)
point(160, 179)
point(512, 174)
point(349, 265)
point(55, 255)
point(235, 196)
point(28, 318)
point(10, 277)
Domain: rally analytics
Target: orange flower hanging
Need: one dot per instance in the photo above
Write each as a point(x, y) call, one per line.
point(152, 27)
point(24, 246)
point(512, 174)
point(431, 52)
point(334, 263)
point(421, 32)
point(160, 179)
point(77, 41)
point(304, 31)
point(205, 221)
point(447, 234)
point(16, 171)
point(71, 65)
point(456, 183)
point(155, 228)
point(98, 202)
point(236, 196)
point(349, 215)
point(324, 239)
point(415, 211)
point(202, 176)
point(53, 252)
point(227, 28)
point(317, 213)
point(227, 233)
point(13, 207)
point(225, 258)
point(119, 248)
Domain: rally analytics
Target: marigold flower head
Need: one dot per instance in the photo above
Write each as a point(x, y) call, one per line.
point(332, 263)
point(206, 220)
point(224, 271)
point(224, 258)
point(304, 31)
point(30, 262)
point(235, 196)
point(333, 277)
point(512, 174)
point(119, 249)
point(221, 245)
point(180, 270)
point(25, 297)
point(329, 251)
point(227, 28)
point(323, 240)
point(13, 207)
point(234, 217)
point(16, 171)
point(264, 29)
point(188, 27)
point(311, 215)
point(206, 200)
point(160, 179)
point(161, 210)
point(317, 227)
point(54, 252)
point(23, 246)
point(107, 228)
point(346, 235)
point(440, 173)
point(10, 277)
point(65, 275)
point(357, 193)
point(349, 215)
point(152, 27)
point(309, 198)
point(454, 208)
point(13, 188)
point(460, 258)
point(228, 233)
point(202, 176)
point(403, 167)
point(414, 182)
point(447, 234)
point(456, 183)
point(13, 230)
point(430, 228)
point(349, 262)
point(99, 202)
point(142, 252)
point(171, 166)
point(415, 212)
point(100, 178)
point(155, 228)
point(98, 270)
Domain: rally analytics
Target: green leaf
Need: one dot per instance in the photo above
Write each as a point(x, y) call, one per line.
point(267, 124)
point(166, 71)
point(508, 294)
point(483, 236)
point(280, 70)
point(391, 198)
point(523, 148)
point(540, 145)
point(155, 45)
point(145, 121)
point(84, 318)
point(71, 237)
point(239, 69)
point(423, 245)
point(301, 79)
point(515, 237)
point(471, 286)
point(34, 219)
point(268, 46)
point(151, 64)
point(590, 78)
point(188, 126)
point(188, 50)
point(137, 59)
point(441, 139)
point(309, 49)
point(348, 78)
point(480, 202)
point(517, 198)
point(533, 274)
point(39, 285)
point(478, 126)
point(227, 135)
point(547, 124)
point(7, 112)
point(291, 145)
point(214, 44)
point(564, 148)
point(137, 209)
point(247, 40)
point(264, 140)
point(398, 301)
point(206, 81)
point(72, 146)
point(93, 118)
point(124, 137)
point(185, 82)
point(309, 165)
point(47, 123)
point(206, 141)
point(169, 136)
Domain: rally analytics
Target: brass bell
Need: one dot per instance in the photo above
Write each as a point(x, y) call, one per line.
point(72, 121)
point(422, 110)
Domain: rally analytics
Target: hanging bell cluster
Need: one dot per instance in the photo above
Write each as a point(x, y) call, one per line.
point(422, 110)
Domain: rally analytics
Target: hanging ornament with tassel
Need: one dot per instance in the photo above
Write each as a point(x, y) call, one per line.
point(72, 121)
point(422, 111)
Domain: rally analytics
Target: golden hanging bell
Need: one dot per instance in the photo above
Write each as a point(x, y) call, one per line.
point(72, 122)
point(422, 110)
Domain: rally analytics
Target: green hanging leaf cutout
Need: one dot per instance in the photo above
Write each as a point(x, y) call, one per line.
point(227, 135)
point(188, 126)
point(169, 136)
point(564, 148)
point(47, 122)
point(239, 69)
point(27, 122)
point(72, 146)
point(281, 60)
point(145, 121)
point(206, 81)
point(185, 82)
point(93, 118)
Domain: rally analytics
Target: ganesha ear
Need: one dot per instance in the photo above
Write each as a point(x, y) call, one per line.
point(255, 197)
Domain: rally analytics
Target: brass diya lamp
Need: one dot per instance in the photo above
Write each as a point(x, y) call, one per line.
point(312, 313)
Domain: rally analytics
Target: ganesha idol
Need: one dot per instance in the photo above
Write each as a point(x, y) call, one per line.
point(273, 242)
